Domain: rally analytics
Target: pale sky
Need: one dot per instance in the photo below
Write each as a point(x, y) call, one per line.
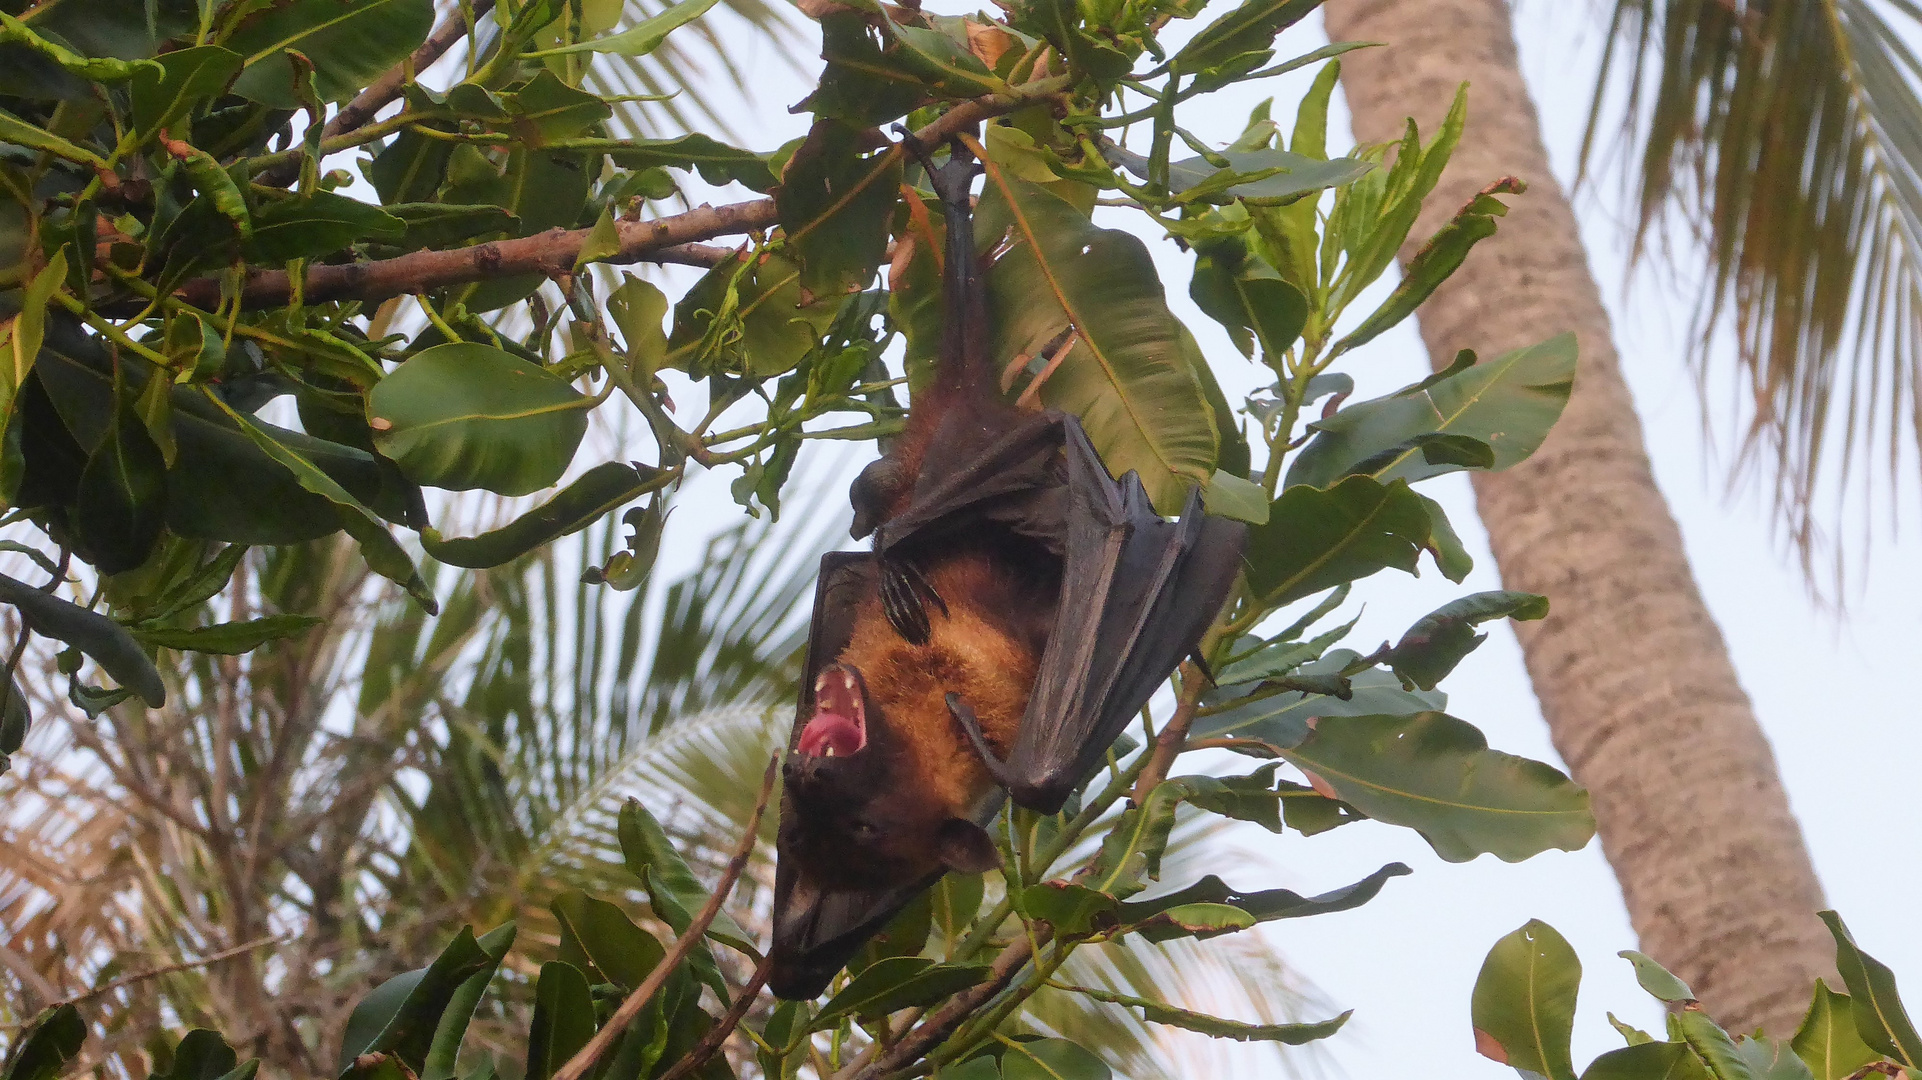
point(1828, 689)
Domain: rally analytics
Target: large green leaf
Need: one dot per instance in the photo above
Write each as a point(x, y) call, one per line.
point(1315, 540)
point(1125, 376)
point(896, 983)
point(1440, 639)
point(1714, 1046)
point(184, 79)
point(1051, 1059)
point(1244, 294)
point(1524, 1002)
point(444, 1048)
point(643, 37)
point(747, 316)
point(717, 162)
point(230, 639)
point(1507, 403)
point(106, 641)
point(648, 852)
point(1283, 719)
point(575, 507)
point(317, 224)
point(1771, 1059)
point(597, 936)
point(1879, 1015)
point(878, 70)
point(401, 1015)
point(1828, 1041)
point(1258, 177)
point(50, 1040)
point(1263, 906)
point(348, 45)
point(122, 499)
point(464, 416)
point(563, 1019)
point(1648, 1061)
point(1436, 775)
point(1250, 28)
point(835, 205)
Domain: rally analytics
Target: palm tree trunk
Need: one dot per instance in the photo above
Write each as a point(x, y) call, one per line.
point(1632, 674)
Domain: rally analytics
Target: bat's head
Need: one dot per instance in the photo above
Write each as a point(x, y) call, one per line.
point(862, 820)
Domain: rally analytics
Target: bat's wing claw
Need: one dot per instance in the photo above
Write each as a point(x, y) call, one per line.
point(971, 725)
point(901, 600)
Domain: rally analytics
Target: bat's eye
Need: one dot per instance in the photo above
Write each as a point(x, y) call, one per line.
point(863, 831)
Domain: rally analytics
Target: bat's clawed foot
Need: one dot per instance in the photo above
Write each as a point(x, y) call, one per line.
point(951, 181)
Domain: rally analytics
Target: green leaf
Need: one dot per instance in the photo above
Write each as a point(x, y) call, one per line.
point(438, 225)
point(1439, 258)
point(788, 1019)
point(1215, 1026)
point(200, 1055)
point(747, 315)
point(835, 204)
point(106, 641)
point(1282, 719)
point(1244, 798)
point(643, 37)
point(15, 719)
point(1087, 54)
point(1436, 775)
point(401, 1015)
point(459, 1011)
point(181, 80)
point(1315, 540)
point(637, 308)
point(1265, 906)
point(230, 639)
point(1879, 1015)
point(1051, 1059)
point(1524, 1002)
point(1135, 844)
point(1071, 909)
point(1713, 1046)
point(349, 46)
point(1124, 376)
point(1657, 980)
point(1828, 1041)
point(645, 847)
point(1249, 28)
point(1244, 294)
point(317, 224)
point(1451, 557)
point(1440, 639)
point(603, 242)
point(122, 500)
point(1231, 496)
point(1256, 177)
point(383, 553)
point(717, 162)
point(20, 133)
point(1771, 1059)
point(878, 70)
point(896, 983)
point(92, 68)
point(1648, 1061)
point(563, 1019)
point(464, 416)
point(1509, 403)
point(578, 505)
point(598, 936)
point(50, 1040)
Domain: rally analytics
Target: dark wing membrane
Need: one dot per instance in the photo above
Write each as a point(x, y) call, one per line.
point(1013, 479)
point(1138, 592)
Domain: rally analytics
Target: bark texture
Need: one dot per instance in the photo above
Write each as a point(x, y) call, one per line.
point(1631, 671)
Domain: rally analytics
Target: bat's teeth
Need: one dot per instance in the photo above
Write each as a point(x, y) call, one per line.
point(828, 750)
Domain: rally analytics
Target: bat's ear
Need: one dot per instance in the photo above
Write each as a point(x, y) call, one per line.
point(966, 847)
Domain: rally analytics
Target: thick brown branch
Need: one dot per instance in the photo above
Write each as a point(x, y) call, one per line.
point(583, 1060)
point(551, 252)
point(718, 1034)
point(369, 102)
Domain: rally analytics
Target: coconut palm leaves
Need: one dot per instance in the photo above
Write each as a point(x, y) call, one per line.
point(1789, 135)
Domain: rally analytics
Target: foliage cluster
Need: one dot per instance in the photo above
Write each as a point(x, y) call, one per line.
point(177, 258)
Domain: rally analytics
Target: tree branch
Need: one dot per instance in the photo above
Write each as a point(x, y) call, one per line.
point(551, 252)
point(554, 251)
point(936, 1028)
point(584, 1059)
point(369, 102)
point(718, 1034)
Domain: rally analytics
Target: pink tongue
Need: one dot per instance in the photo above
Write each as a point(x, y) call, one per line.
point(830, 732)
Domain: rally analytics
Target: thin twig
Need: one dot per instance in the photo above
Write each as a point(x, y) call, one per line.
point(718, 1034)
point(142, 976)
point(1173, 735)
point(583, 1060)
point(382, 91)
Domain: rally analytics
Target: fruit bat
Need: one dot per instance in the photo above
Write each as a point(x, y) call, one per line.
point(1017, 608)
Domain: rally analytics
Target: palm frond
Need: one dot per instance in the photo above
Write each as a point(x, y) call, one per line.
point(1787, 134)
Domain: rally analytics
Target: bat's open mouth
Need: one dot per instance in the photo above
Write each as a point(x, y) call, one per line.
point(840, 723)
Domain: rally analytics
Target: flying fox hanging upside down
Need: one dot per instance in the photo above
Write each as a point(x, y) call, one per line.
point(1016, 610)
